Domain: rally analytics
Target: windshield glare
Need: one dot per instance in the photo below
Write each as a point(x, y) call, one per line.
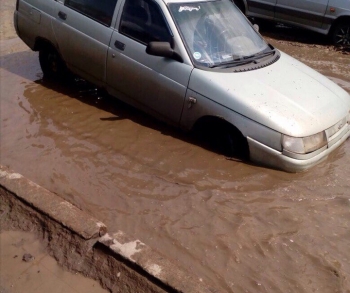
point(216, 32)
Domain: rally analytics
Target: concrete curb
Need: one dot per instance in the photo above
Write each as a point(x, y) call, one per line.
point(157, 267)
point(51, 205)
point(107, 255)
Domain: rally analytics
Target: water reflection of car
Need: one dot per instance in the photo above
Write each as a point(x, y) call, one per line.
point(328, 17)
point(196, 65)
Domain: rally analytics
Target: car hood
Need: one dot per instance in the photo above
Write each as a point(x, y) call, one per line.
point(286, 96)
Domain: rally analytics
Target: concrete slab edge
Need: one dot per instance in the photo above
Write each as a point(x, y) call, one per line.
point(51, 205)
point(153, 264)
point(137, 257)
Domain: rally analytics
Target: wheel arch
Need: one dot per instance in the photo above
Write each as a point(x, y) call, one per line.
point(52, 67)
point(211, 119)
point(42, 43)
point(339, 20)
point(217, 126)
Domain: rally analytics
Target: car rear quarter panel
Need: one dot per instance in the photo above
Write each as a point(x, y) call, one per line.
point(34, 20)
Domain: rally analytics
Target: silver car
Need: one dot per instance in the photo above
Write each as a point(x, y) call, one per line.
point(328, 17)
point(195, 65)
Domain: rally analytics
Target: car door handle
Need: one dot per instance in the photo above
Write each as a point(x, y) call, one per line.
point(119, 45)
point(62, 15)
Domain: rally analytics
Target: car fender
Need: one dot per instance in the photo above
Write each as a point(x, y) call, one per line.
point(198, 106)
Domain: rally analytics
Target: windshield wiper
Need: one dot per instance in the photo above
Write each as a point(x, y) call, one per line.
point(243, 60)
point(259, 55)
point(231, 63)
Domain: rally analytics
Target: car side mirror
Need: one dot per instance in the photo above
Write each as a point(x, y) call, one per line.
point(162, 49)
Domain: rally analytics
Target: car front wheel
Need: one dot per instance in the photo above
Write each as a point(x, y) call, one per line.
point(341, 34)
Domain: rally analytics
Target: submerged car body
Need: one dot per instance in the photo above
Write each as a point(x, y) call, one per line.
point(185, 61)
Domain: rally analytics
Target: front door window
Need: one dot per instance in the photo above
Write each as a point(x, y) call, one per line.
point(143, 21)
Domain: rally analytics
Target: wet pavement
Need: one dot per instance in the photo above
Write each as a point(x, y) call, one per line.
point(239, 226)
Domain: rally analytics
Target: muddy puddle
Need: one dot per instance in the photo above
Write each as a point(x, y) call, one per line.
point(239, 227)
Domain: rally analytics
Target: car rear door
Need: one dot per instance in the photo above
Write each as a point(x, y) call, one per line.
point(155, 84)
point(305, 12)
point(262, 8)
point(83, 32)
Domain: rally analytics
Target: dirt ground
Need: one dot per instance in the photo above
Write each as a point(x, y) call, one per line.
point(239, 226)
point(27, 267)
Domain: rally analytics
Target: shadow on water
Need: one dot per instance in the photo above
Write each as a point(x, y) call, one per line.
point(211, 138)
point(208, 136)
point(87, 93)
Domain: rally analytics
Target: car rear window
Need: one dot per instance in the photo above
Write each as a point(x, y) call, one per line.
point(99, 10)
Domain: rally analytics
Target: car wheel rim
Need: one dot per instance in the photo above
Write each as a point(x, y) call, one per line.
point(342, 36)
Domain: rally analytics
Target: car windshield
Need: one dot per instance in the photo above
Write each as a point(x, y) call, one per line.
point(216, 33)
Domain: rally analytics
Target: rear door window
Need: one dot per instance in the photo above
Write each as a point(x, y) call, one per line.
point(99, 10)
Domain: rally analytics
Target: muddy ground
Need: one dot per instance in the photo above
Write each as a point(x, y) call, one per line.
point(239, 226)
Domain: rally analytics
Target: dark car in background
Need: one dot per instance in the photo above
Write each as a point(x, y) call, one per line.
point(328, 17)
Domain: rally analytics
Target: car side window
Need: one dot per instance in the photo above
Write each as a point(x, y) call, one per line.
point(99, 10)
point(143, 21)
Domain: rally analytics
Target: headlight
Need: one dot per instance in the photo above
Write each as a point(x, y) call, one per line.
point(304, 145)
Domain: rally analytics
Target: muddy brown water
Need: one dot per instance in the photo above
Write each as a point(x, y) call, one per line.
point(239, 227)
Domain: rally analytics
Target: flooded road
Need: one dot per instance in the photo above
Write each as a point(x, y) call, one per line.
point(239, 227)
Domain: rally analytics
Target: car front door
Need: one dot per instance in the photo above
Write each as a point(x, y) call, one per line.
point(264, 8)
point(83, 32)
point(306, 12)
point(155, 84)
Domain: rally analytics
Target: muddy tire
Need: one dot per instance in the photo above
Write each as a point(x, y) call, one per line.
point(236, 144)
point(221, 137)
point(52, 64)
point(341, 34)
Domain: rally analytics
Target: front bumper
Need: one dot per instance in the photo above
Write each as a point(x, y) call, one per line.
point(262, 154)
